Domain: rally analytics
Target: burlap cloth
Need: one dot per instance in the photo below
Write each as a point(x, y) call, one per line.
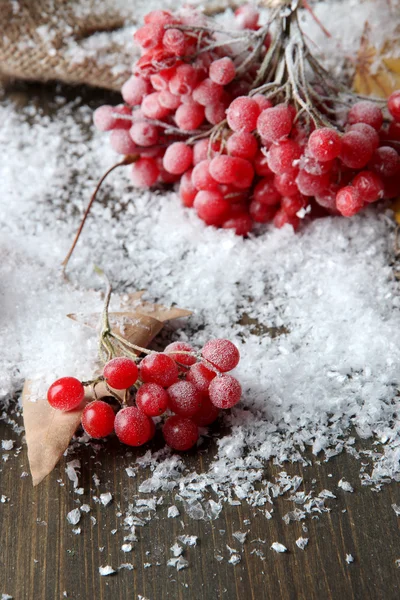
point(74, 41)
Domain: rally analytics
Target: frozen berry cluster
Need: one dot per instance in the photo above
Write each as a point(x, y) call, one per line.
point(189, 390)
point(199, 112)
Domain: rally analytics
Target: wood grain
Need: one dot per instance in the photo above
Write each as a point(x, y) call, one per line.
point(40, 556)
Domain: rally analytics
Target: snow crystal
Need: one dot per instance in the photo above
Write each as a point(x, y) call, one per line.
point(70, 470)
point(301, 542)
point(107, 570)
point(76, 530)
point(106, 498)
point(6, 597)
point(126, 547)
point(74, 516)
point(235, 559)
point(349, 558)
point(85, 508)
point(396, 509)
point(176, 549)
point(7, 444)
point(345, 485)
point(179, 563)
point(278, 547)
point(241, 537)
point(127, 566)
point(188, 540)
point(173, 512)
point(130, 472)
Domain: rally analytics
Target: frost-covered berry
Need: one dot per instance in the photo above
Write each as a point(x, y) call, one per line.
point(132, 426)
point(201, 177)
point(243, 145)
point(324, 144)
point(241, 224)
point(135, 89)
point(158, 368)
point(121, 142)
point(266, 192)
point(120, 373)
point(242, 114)
point(385, 161)
point(225, 391)
point(184, 398)
point(207, 414)
point(98, 419)
point(366, 112)
point(183, 81)
point(152, 399)
point(222, 71)
point(178, 351)
point(151, 107)
point(66, 393)
point(222, 354)
point(349, 201)
point(370, 186)
point(180, 433)
point(144, 172)
point(187, 191)
point(275, 123)
point(393, 104)
point(207, 92)
point(283, 156)
point(312, 185)
point(174, 41)
point(281, 219)
point(261, 213)
point(144, 134)
point(356, 149)
point(211, 207)
point(189, 116)
point(178, 158)
point(232, 170)
point(200, 376)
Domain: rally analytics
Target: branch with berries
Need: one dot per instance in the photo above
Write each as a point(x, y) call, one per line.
point(249, 124)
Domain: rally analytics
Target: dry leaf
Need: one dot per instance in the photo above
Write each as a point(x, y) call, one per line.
point(49, 431)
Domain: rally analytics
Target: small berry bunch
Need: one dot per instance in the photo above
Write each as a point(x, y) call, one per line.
point(249, 124)
point(191, 389)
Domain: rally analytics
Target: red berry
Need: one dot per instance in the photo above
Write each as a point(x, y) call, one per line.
point(266, 193)
point(283, 156)
point(169, 100)
point(189, 116)
point(159, 368)
point(183, 81)
point(144, 134)
point(178, 158)
point(134, 90)
point(222, 354)
point(225, 391)
point(104, 119)
point(200, 376)
point(327, 198)
point(242, 224)
point(174, 41)
point(163, 17)
point(312, 185)
point(180, 433)
point(261, 213)
point(98, 419)
point(370, 186)
point(122, 142)
point(275, 123)
point(120, 373)
point(356, 149)
point(66, 393)
point(215, 113)
point(207, 92)
point(207, 414)
point(144, 172)
point(242, 114)
point(152, 399)
point(242, 144)
point(222, 71)
point(201, 177)
point(286, 184)
point(176, 350)
point(232, 169)
point(349, 201)
point(366, 112)
point(291, 205)
point(368, 132)
point(132, 426)
point(262, 101)
point(211, 207)
point(314, 167)
point(282, 218)
point(151, 107)
point(324, 144)
point(393, 104)
point(385, 161)
point(187, 191)
point(149, 36)
point(184, 398)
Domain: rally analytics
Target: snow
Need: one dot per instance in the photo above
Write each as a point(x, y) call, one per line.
point(349, 558)
point(278, 547)
point(301, 542)
point(74, 516)
point(107, 570)
point(105, 498)
point(346, 486)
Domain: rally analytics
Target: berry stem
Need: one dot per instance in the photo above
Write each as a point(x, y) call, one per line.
point(127, 160)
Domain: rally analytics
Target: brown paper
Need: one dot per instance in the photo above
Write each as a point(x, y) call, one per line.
point(49, 431)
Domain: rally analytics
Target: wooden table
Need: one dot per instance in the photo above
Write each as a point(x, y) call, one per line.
point(41, 558)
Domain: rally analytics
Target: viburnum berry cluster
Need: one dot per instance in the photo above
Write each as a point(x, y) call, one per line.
point(249, 124)
point(186, 388)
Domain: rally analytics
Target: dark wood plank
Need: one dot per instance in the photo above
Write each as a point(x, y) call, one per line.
point(41, 558)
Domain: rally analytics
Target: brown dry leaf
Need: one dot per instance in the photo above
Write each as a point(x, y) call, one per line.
point(49, 431)
point(377, 72)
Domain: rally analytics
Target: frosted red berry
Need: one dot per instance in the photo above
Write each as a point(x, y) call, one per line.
point(241, 224)
point(283, 156)
point(349, 201)
point(178, 158)
point(121, 142)
point(144, 172)
point(189, 116)
point(134, 90)
point(275, 123)
point(366, 112)
point(66, 393)
point(221, 353)
point(242, 144)
point(187, 191)
point(324, 144)
point(207, 92)
point(225, 391)
point(262, 213)
point(200, 376)
point(232, 169)
point(152, 399)
point(178, 352)
point(184, 398)
point(180, 433)
point(393, 104)
point(132, 426)
point(144, 134)
point(120, 373)
point(222, 71)
point(159, 368)
point(211, 206)
point(266, 192)
point(207, 414)
point(385, 161)
point(281, 219)
point(202, 178)
point(370, 186)
point(98, 419)
point(242, 114)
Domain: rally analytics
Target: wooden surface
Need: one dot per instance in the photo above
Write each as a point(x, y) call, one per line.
point(41, 558)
